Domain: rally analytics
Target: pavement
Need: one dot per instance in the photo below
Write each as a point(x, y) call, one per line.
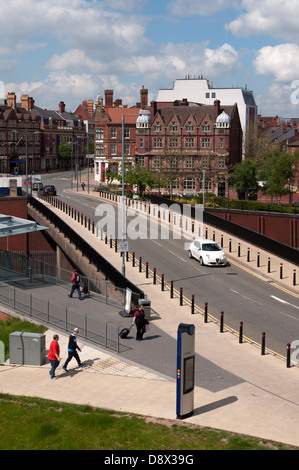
point(236, 388)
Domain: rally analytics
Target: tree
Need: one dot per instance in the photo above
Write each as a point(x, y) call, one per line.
point(244, 177)
point(64, 150)
point(280, 167)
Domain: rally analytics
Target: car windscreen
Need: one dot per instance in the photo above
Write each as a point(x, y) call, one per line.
point(210, 247)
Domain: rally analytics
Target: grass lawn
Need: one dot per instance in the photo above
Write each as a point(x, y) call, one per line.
point(36, 424)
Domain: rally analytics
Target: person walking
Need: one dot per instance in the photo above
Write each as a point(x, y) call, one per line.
point(72, 350)
point(75, 284)
point(54, 355)
point(140, 322)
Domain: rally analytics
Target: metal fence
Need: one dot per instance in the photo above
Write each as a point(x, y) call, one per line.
point(102, 333)
point(17, 266)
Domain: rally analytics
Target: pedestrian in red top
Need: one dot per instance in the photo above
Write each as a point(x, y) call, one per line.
point(54, 355)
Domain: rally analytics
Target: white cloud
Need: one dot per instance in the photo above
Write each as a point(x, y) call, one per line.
point(279, 62)
point(125, 5)
point(199, 7)
point(279, 18)
point(277, 101)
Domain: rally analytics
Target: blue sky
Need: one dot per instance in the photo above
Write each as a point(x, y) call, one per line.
point(73, 50)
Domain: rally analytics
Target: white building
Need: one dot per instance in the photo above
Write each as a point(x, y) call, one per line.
point(199, 90)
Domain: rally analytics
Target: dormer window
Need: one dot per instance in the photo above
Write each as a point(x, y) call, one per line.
point(189, 127)
point(173, 127)
point(157, 127)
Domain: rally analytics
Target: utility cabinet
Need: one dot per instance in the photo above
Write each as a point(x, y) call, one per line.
point(27, 348)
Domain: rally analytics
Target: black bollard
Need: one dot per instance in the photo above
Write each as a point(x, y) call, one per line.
point(192, 304)
point(263, 343)
point(206, 313)
point(221, 321)
point(171, 289)
point(241, 333)
point(288, 355)
point(181, 296)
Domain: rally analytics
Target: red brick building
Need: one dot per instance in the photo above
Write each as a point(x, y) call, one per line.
point(181, 139)
point(109, 117)
point(185, 139)
point(283, 133)
point(19, 133)
point(31, 134)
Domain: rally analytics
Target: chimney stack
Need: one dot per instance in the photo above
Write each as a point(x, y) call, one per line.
point(12, 100)
point(153, 109)
point(109, 98)
point(61, 107)
point(143, 97)
point(216, 108)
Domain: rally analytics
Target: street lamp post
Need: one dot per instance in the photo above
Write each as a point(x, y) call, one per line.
point(123, 223)
point(123, 219)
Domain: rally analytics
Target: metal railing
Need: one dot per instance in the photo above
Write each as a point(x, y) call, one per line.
point(102, 333)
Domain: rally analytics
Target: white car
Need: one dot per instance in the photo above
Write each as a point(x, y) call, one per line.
point(207, 252)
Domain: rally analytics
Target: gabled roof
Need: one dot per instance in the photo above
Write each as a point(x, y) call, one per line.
point(198, 112)
point(116, 114)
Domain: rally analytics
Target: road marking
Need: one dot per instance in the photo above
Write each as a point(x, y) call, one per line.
point(174, 254)
point(245, 297)
point(284, 302)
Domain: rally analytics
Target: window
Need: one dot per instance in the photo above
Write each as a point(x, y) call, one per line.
point(221, 162)
point(113, 133)
point(173, 162)
point(213, 95)
point(127, 149)
point(157, 162)
point(157, 127)
point(127, 133)
point(99, 134)
point(173, 142)
point(113, 149)
point(173, 127)
point(141, 161)
point(221, 143)
point(205, 143)
point(207, 95)
point(205, 161)
point(189, 162)
point(157, 142)
point(99, 149)
point(189, 183)
point(141, 143)
point(189, 127)
point(189, 142)
point(206, 127)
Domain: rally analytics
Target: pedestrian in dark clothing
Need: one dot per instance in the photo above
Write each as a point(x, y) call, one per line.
point(75, 284)
point(140, 322)
point(72, 350)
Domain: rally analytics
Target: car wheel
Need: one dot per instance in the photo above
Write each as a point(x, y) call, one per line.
point(190, 254)
point(201, 261)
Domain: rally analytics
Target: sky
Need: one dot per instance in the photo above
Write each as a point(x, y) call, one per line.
point(72, 50)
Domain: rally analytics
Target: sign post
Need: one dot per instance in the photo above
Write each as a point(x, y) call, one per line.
point(185, 370)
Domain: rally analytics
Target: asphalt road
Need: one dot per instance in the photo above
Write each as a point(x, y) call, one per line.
point(241, 296)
